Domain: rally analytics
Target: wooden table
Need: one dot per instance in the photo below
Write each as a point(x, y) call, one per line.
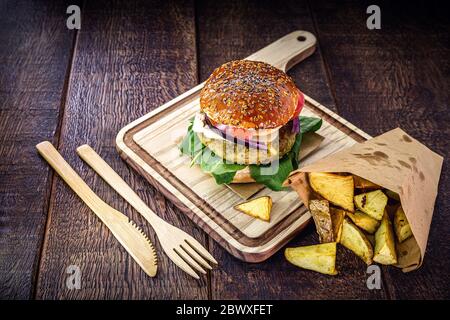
point(74, 87)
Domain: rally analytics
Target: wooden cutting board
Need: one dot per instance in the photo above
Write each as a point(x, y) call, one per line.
point(150, 145)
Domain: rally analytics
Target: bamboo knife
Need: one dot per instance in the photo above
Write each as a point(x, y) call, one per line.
point(126, 232)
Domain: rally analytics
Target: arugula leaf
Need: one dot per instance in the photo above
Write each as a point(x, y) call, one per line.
point(286, 165)
point(224, 177)
point(191, 144)
point(221, 171)
point(224, 172)
point(309, 124)
point(273, 181)
point(295, 150)
point(210, 163)
point(289, 162)
point(213, 164)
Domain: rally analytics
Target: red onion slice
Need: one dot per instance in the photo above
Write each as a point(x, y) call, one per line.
point(223, 130)
point(296, 125)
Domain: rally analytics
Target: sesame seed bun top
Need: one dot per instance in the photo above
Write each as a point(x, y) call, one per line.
point(249, 94)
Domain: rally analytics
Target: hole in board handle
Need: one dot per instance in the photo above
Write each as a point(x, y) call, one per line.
point(301, 38)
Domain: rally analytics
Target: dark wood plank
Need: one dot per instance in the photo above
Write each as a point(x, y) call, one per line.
point(130, 58)
point(397, 76)
point(233, 30)
point(35, 49)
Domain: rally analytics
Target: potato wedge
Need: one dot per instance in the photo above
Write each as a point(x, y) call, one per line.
point(372, 203)
point(354, 239)
point(401, 225)
point(319, 257)
point(361, 183)
point(371, 238)
point(337, 218)
point(335, 188)
point(384, 243)
point(393, 195)
point(259, 208)
point(364, 221)
point(320, 211)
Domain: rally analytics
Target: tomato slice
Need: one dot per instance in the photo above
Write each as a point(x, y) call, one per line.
point(300, 104)
point(240, 133)
point(245, 134)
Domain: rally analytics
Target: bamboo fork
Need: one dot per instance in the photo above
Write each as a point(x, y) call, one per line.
point(186, 252)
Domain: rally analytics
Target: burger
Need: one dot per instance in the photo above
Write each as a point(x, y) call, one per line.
point(249, 127)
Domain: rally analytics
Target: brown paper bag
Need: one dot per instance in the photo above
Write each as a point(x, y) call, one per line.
point(397, 162)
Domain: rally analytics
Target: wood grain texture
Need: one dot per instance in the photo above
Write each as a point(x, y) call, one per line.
point(130, 57)
point(397, 76)
point(230, 30)
point(35, 48)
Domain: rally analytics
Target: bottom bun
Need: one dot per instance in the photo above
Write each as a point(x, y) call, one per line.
point(243, 176)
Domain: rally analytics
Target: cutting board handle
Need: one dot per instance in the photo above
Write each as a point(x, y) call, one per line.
point(288, 50)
